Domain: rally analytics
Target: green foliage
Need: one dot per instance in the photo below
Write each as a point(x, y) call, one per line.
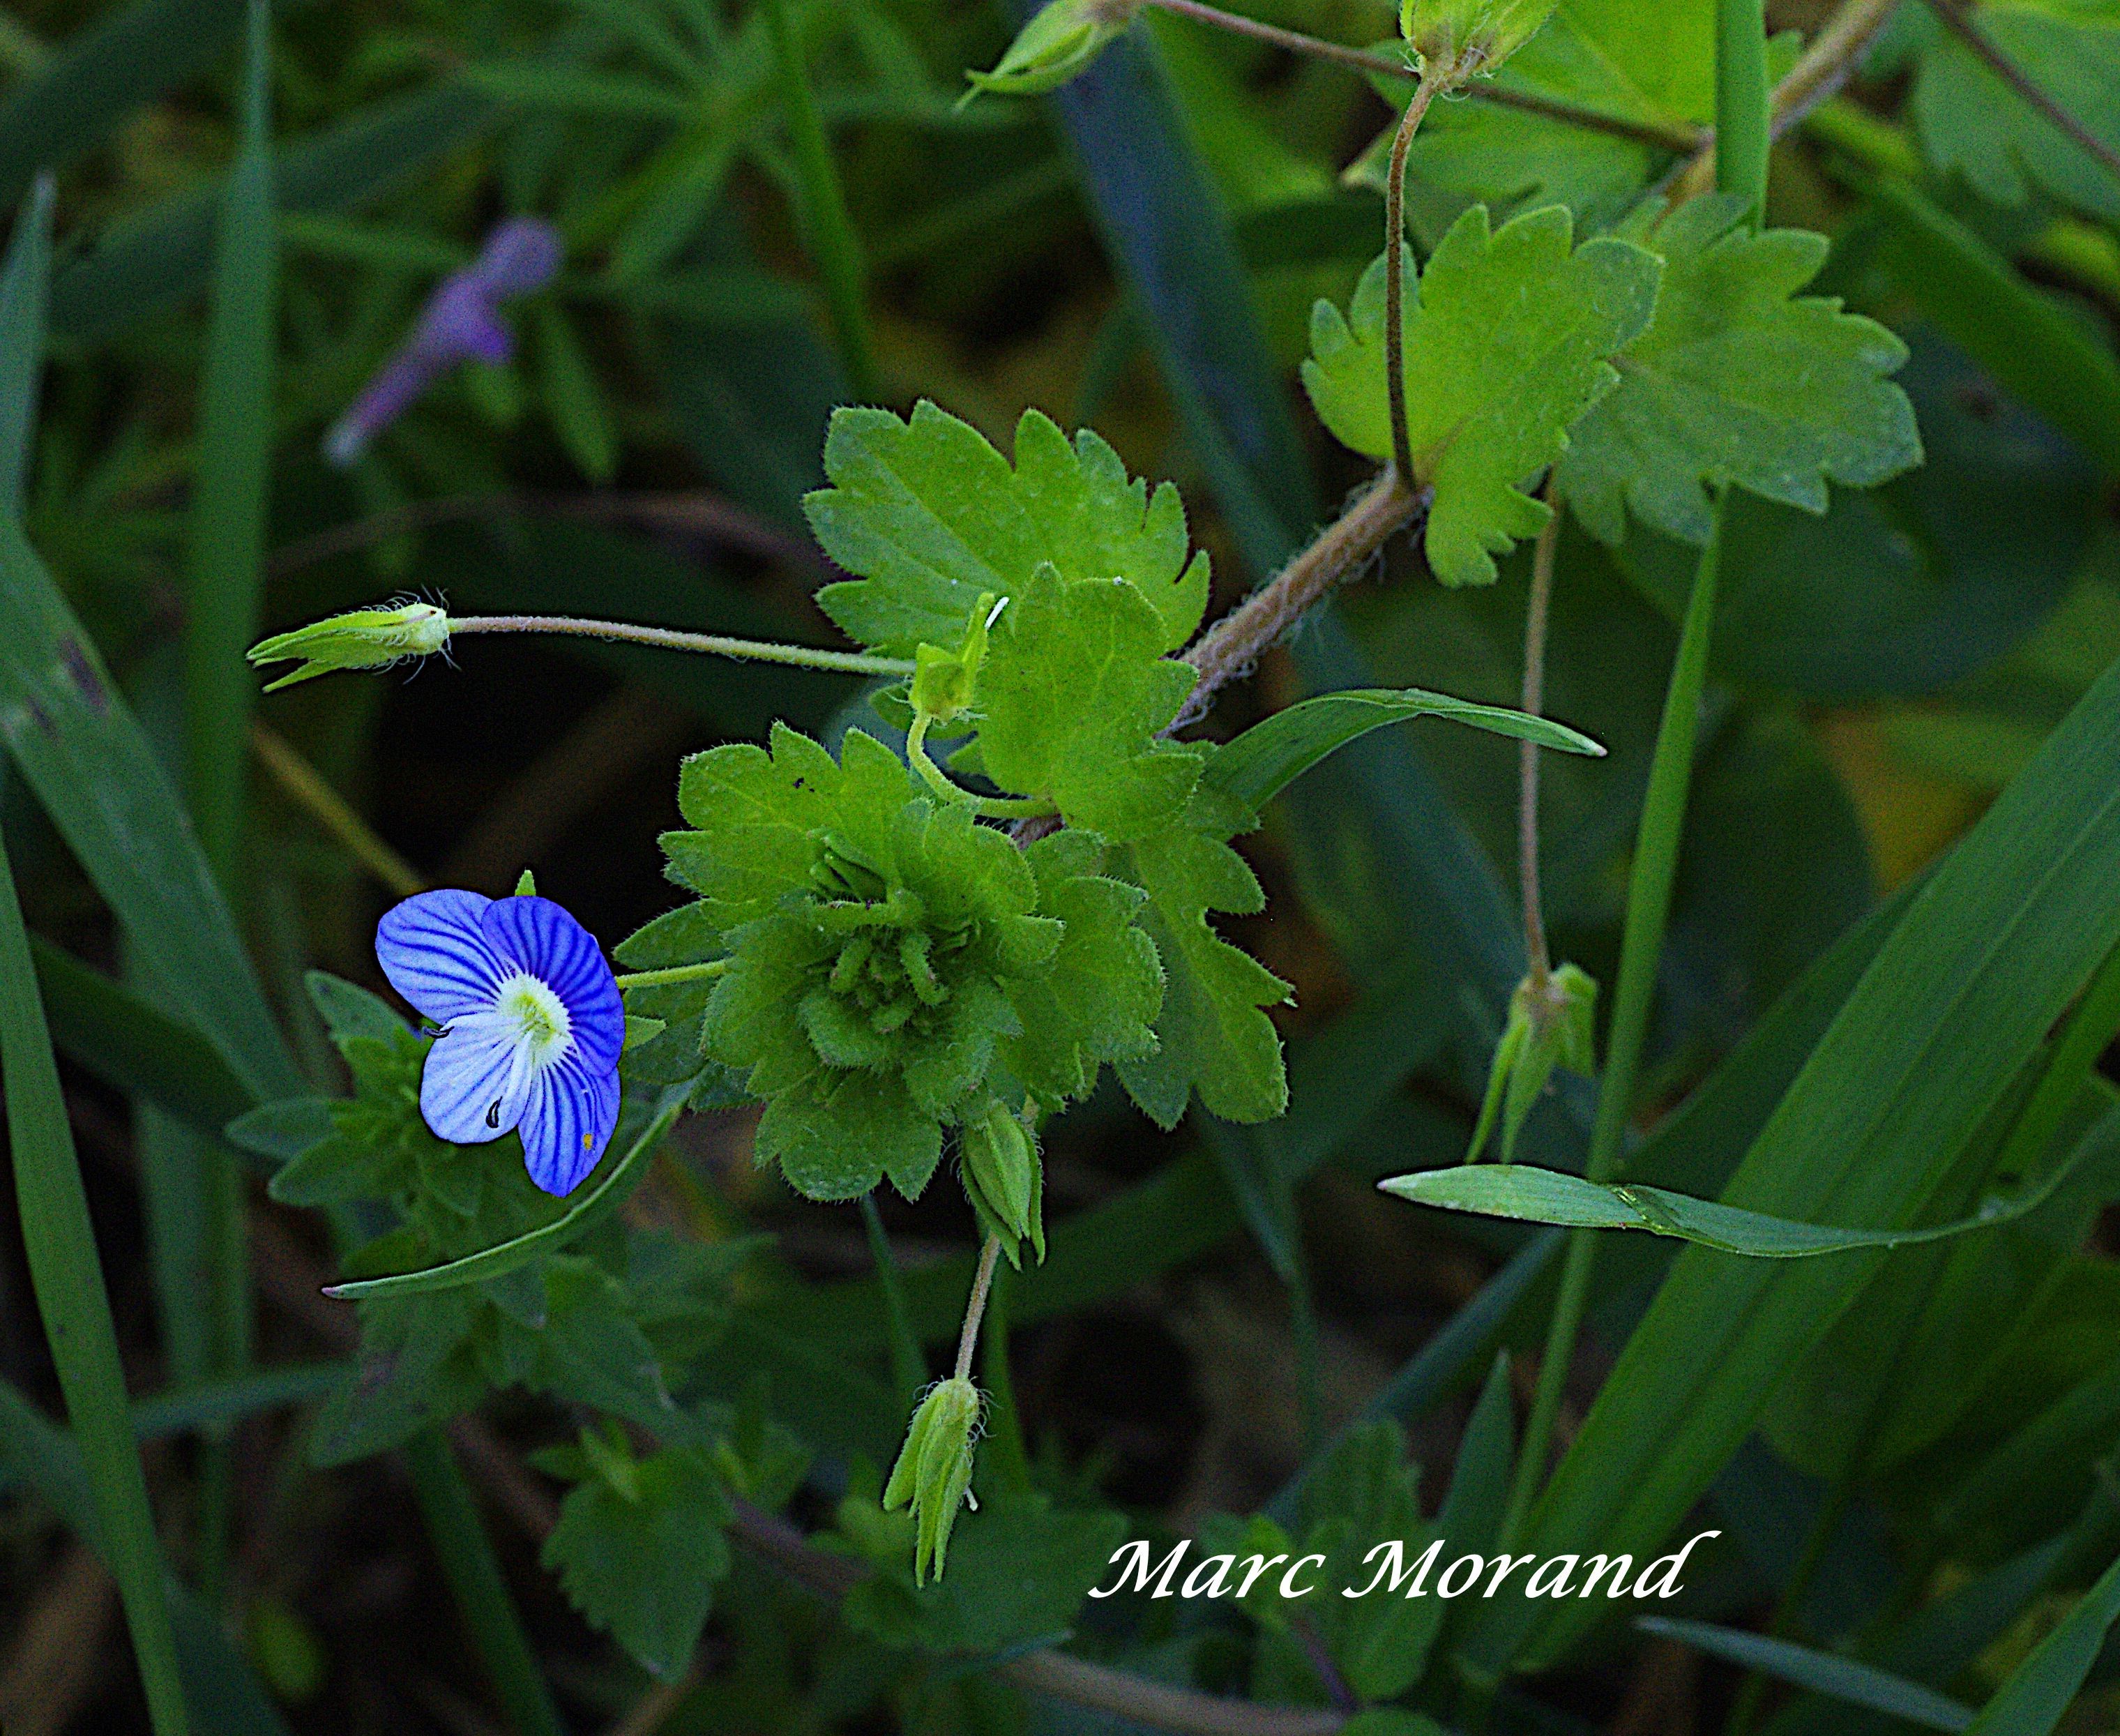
point(639, 1546)
point(1508, 343)
point(1737, 378)
point(932, 1475)
point(1475, 35)
point(1548, 1027)
point(1974, 125)
point(928, 517)
point(885, 952)
point(1212, 1035)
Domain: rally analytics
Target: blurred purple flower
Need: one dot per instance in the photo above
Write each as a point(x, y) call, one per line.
point(461, 322)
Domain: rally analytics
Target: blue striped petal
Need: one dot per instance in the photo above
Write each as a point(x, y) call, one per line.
point(543, 939)
point(475, 1084)
point(432, 948)
point(567, 1123)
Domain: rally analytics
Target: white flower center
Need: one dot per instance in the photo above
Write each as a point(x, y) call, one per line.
point(536, 1018)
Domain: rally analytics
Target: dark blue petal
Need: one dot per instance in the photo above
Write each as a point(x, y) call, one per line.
point(436, 955)
point(567, 1122)
point(541, 938)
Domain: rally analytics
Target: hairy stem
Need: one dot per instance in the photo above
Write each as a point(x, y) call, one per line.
point(968, 1340)
point(1435, 77)
point(1227, 650)
point(1537, 610)
point(668, 639)
point(1954, 14)
point(1666, 137)
point(988, 807)
point(674, 974)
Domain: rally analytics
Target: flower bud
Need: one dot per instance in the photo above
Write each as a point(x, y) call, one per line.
point(1064, 37)
point(943, 680)
point(1470, 35)
point(366, 639)
point(1550, 1026)
point(934, 1474)
point(1003, 1179)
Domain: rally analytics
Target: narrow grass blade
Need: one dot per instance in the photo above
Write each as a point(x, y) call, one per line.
point(481, 1595)
point(1271, 754)
point(131, 1047)
point(1836, 1679)
point(24, 284)
point(512, 1256)
point(102, 75)
point(1530, 1195)
point(2040, 1690)
point(67, 1274)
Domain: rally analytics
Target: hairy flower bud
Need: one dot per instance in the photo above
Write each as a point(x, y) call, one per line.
point(1550, 1026)
point(366, 638)
point(1470, 35)
point(1002, 1179)
point(1062, 39)
point(934, 1474)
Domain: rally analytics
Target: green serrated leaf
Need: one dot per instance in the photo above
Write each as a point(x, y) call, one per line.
point(1508, 337)
point(1739, 380)
point(1073, 697)
point(638, 1548)
point(1972, 125)
point(928, 516)
point(1212, 1035)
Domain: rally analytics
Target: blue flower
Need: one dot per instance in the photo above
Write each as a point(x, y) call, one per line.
point(534, 1025)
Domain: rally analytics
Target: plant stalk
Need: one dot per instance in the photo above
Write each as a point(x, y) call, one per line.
point(1537, 610)
point(1641, 946)
point(1434, 78)
point(669, 639)
point(975, 1307)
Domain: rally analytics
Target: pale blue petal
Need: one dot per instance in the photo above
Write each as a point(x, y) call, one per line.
point(475, 1086)
point(542, 939)
point(435, 952)
point(567, 1122)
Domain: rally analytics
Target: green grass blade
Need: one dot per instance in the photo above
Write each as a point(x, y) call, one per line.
point(131, 1046)
point(514, 1254)
point(1530, 1195)
point(1989, 954)
point(2040, 1690)
point(1742, 103)
point(821, 204)
point(71, 734)
point(226, 536)
point(1836, 1679)
point(222, 1692)
point(67, 1275)
point(211, 1403)
point(1270, 755)
point(24, 284)
point(101, 76)
point(467, 1561)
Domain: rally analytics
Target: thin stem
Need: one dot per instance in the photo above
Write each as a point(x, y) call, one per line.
point(1743, 104)
point(1666, 137)
point(1536, 615)
point(909, 1368)
point(1434, 78)
point(1004, 1437)
point(1641, 946)
point(668, 639)
point(988, 807)
point(821, 205)
point(1961, 25)
point(976, 1306)
point(672, 974)
point(305, 787)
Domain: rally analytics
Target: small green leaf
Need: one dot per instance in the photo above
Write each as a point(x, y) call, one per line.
point(1211, 1034)
point(928, 517)
point(1539, 1196)
point(638, 1548)
point(1073, 698)
point(1738, 378)
point(1507, 340)
point(1270, 755)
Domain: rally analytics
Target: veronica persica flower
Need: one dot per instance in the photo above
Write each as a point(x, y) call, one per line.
point(533, 1025)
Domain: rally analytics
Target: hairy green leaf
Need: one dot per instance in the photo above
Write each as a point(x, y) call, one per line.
point(929, 518)
point(1738, 378)
point(1508, 341)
